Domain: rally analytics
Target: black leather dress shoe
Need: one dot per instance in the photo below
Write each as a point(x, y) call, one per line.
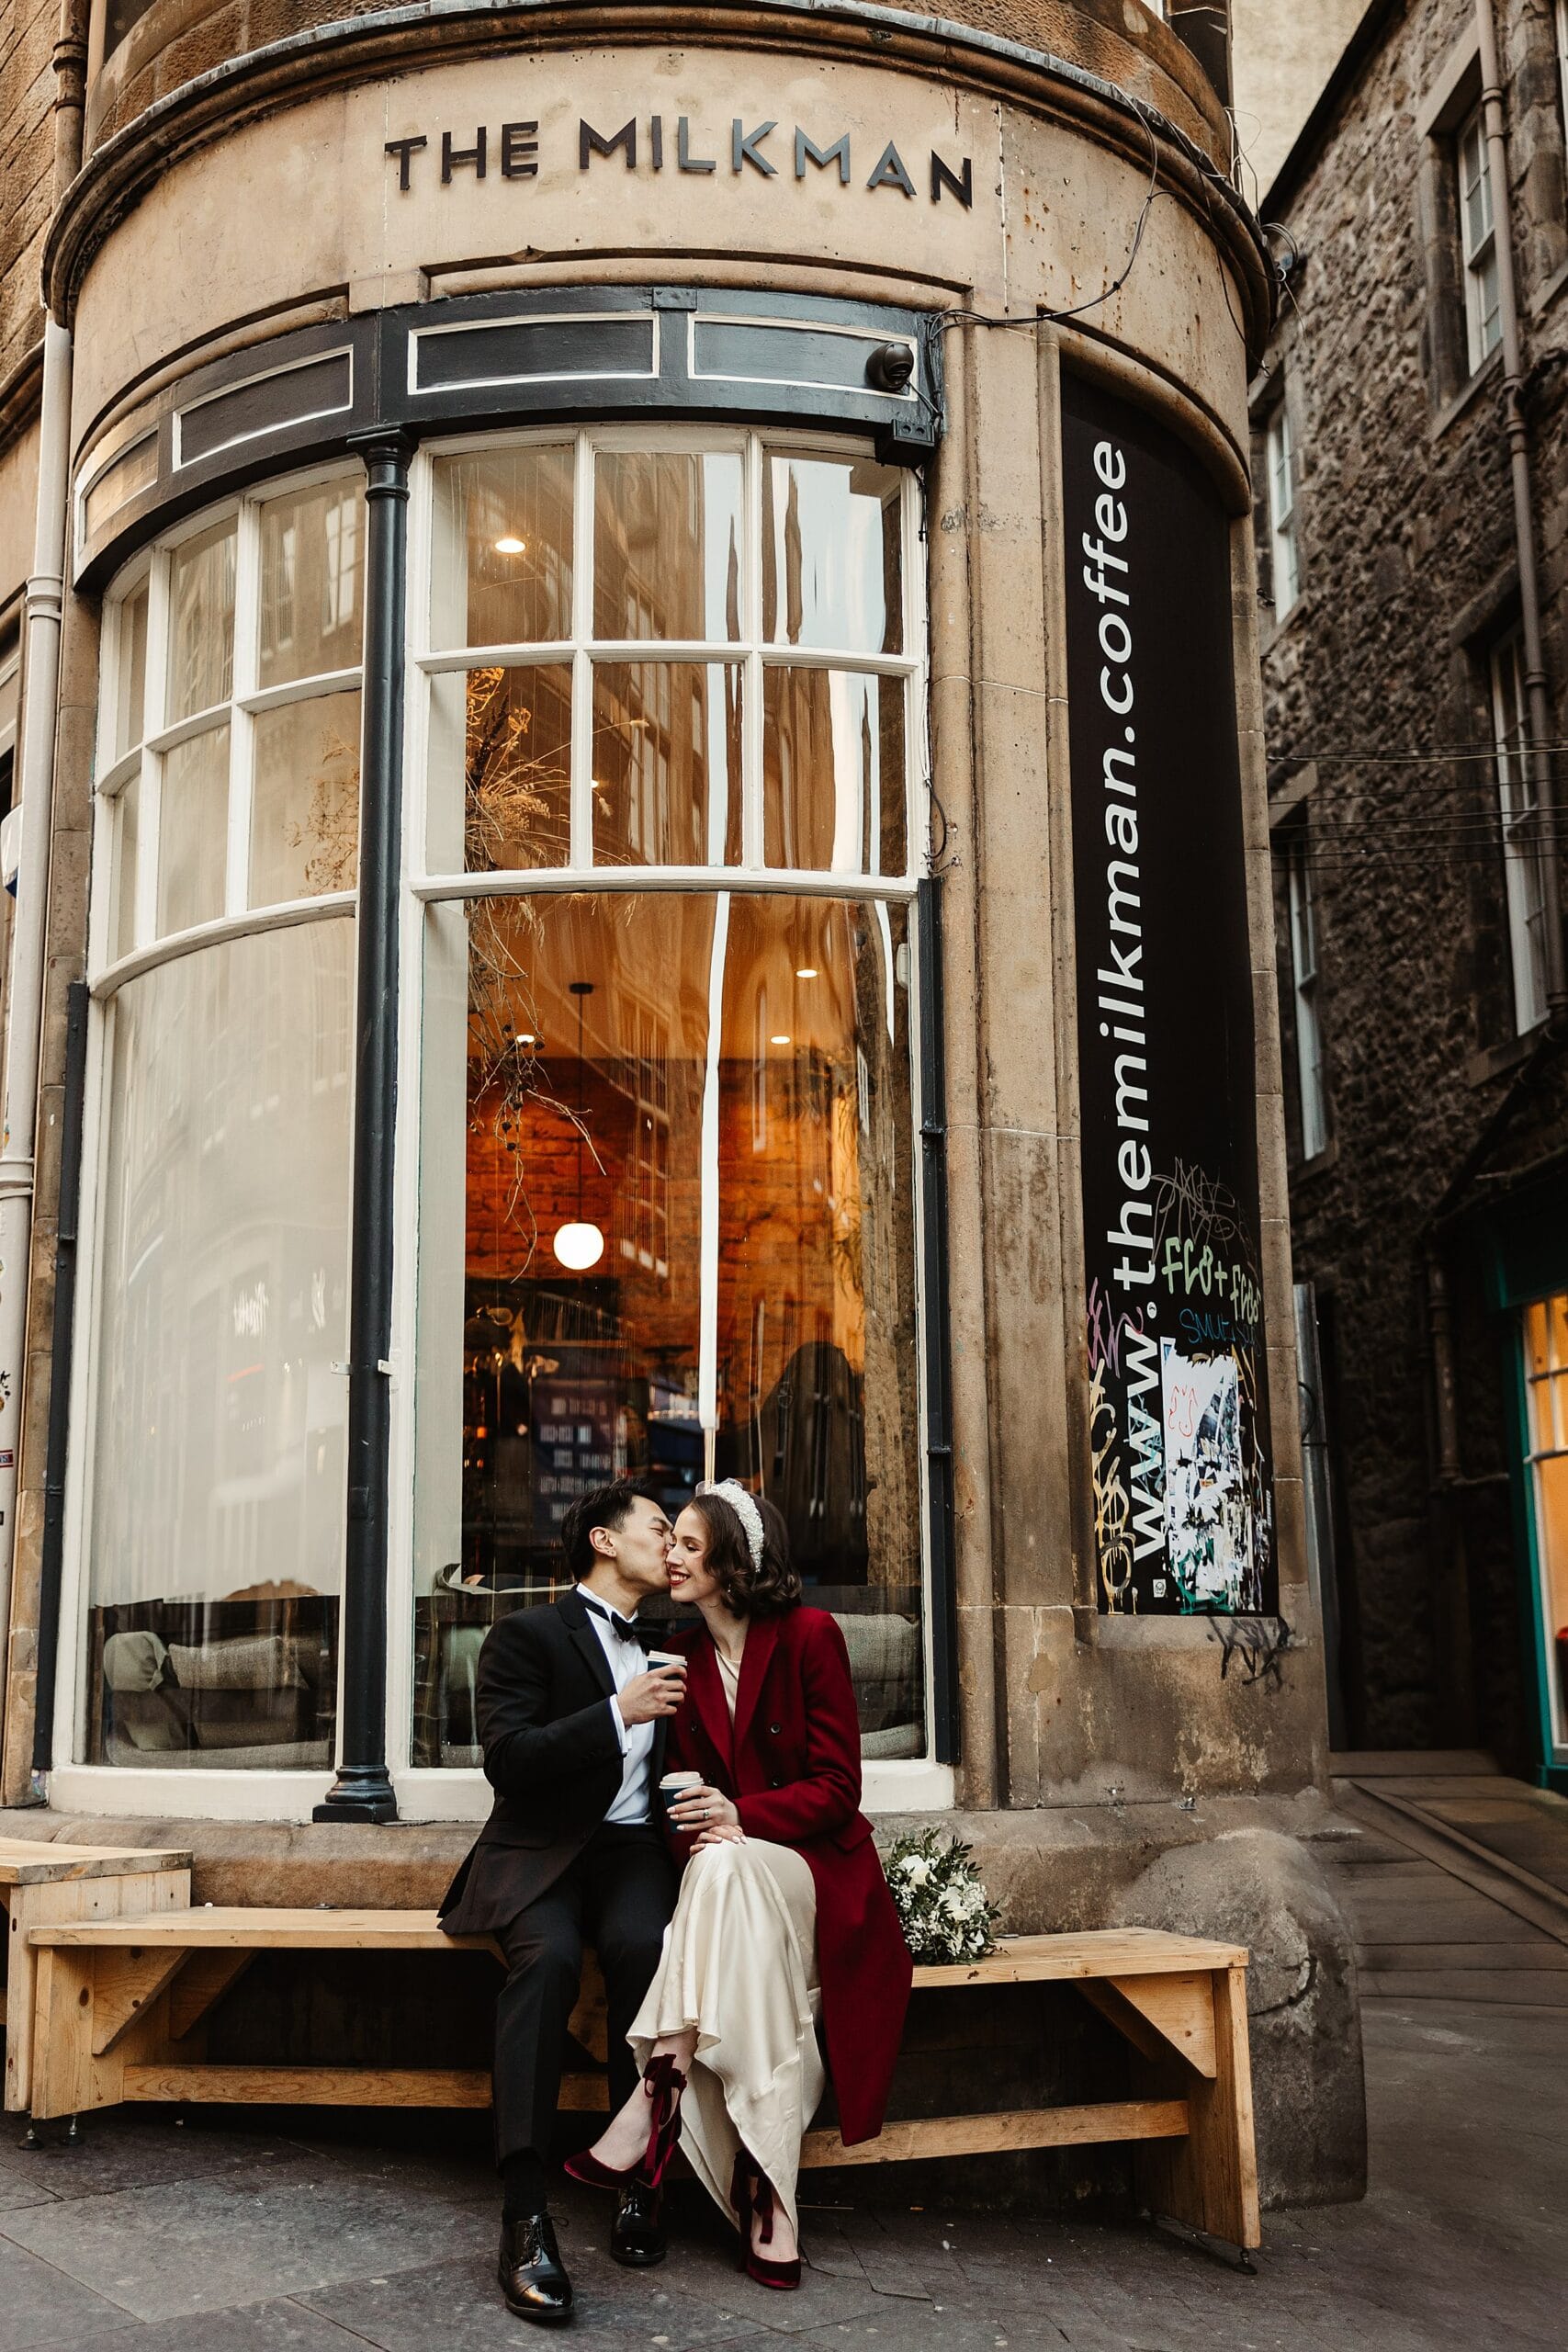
point(637, 2234)
point(532, 2277)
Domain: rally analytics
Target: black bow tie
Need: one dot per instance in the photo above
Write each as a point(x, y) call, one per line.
point(624, 1627)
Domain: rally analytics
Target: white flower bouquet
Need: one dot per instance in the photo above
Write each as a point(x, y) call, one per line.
point(942, 1907)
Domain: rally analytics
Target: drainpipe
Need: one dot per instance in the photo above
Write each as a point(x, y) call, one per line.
point(1539, 715)
point(41, 614)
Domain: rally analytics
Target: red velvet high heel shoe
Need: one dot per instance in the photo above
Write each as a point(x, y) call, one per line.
point(662, 2084)
point(751, 2194)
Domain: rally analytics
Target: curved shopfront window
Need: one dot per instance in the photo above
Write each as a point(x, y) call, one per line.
point(666, 1181)
point(223, 953)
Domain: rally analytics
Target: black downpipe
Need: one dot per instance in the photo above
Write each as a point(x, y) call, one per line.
point(935, 1323)
point(363, 1791)
point(59, 1442)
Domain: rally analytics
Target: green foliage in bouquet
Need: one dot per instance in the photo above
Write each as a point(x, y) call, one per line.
point(942, 1907)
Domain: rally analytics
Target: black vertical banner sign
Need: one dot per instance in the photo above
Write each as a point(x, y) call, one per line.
point(1182, 1496)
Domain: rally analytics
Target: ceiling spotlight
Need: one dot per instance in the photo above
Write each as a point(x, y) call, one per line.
point(510, 546)
point(578, 1246)
point(526, 1037)
point(781, 1041)
point(806, 972)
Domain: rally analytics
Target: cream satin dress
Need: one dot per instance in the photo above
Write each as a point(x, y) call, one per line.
point(740, 1964)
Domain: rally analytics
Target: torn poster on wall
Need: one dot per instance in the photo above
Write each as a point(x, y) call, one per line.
point(1183, 1500)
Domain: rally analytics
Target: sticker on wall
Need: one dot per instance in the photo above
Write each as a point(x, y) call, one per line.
point(1183, 1497)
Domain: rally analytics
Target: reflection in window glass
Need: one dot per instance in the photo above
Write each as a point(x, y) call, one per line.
point(831, 573)
point(217, 1508)
point(834, 771)
point(666, 763)
point(502, 564)
point(507, 733)
point(130, 701)
point(193, 831)
point(202, 623)
point(1545, 1335)
point(312, 584)
point(667, 536)
point(305, 800)
point(127, 820)
point(541, 1378)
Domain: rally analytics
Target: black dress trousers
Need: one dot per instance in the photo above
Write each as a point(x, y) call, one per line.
point(618, 1895)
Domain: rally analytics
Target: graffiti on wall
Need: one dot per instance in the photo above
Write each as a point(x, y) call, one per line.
point(1182, 1496)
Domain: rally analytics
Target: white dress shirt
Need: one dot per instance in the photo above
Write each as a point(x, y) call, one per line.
point(625, 1659)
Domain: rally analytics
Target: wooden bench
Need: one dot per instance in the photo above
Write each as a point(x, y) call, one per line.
point(42, 1885)
point(122, 2005)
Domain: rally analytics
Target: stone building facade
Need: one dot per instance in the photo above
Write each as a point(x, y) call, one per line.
point(606, 905)
point(1412, 554)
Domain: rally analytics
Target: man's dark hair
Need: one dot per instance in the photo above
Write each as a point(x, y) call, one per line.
point(600, 1507)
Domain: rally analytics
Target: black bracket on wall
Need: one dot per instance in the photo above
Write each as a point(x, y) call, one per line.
point(563, 355)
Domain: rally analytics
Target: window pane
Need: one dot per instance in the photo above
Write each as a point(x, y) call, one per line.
point(667, 541)
point(815, 1257)
point(131, 703)
point(217, 1514)
point(833, 771)
point(202, 623)
point(538, 1378)
point(193, 831)
point(500, 754)
point(502, 573)
point(305, 801)
point(666, 763)
point(312, 573)
point(832, 572)
point(126, 816)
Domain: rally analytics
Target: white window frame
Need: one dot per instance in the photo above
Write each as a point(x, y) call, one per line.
point(442, 1793)
point(1478, 240)
point(1560, 23)
point(1303, 992)
point(1519, 814)
point(1279, 486)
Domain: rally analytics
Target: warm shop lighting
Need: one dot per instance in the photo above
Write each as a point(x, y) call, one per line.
point(781, 1041)
point(511, 547)
point(578, 1246)
point(806, 972)
point(526, 1037)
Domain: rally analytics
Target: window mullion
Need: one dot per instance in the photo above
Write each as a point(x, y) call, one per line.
point(752, 626)
point(154, 703)
point(242, 725)
point(581, 667)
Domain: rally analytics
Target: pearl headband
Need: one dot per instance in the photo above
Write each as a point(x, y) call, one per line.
point(744, 1506)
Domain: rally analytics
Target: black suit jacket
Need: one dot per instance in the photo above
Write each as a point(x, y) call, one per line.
point(551, 1755)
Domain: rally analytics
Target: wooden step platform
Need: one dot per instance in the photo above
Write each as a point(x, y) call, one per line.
point(122, 2005)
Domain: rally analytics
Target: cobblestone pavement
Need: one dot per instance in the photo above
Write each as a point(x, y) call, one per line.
point(155, 2236)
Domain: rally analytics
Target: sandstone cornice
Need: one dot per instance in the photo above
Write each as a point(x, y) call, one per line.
point(327, 57)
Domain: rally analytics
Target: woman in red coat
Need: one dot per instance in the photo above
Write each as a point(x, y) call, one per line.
point(784, 1913)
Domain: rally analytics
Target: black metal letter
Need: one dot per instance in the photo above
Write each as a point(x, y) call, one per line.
point(589, 144)
point(838, 153)
point(519, 151)
point(743, 148)
point(452, 157)
point(404, 149)
point(363, 1791)
point(684, 159)
point(890, 172)
point(656, 141)
point(962, 183)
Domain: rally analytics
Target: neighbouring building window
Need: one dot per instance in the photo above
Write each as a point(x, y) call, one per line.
point(221, 957)
point(1545, 1339)
point(1524, 882)
point(668, 1223)
point(1478, 240)
point(1304, 996)
point(1284, 552)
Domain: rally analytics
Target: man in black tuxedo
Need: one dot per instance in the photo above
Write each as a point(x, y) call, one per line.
point(573, 1724)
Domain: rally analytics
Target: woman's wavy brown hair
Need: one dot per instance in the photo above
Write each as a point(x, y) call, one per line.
point(766, 1591)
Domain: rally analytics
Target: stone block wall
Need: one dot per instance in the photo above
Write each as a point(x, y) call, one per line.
point(1377, 689)
point(27, 30)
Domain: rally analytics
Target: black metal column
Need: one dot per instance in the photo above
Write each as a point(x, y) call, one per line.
point(935, 1323)
point(363, 1791)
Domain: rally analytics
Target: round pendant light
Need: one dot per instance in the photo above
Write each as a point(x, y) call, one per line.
point(579, 1244)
